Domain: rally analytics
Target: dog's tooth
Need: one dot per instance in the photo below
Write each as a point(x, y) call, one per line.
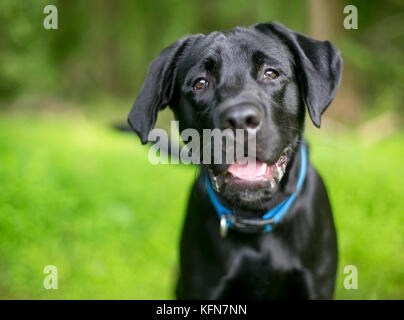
point(272, 183)
point(283, 167)
point(264, 168)
point(278, 173)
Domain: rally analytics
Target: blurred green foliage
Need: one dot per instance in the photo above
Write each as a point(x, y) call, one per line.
point(375, 52)
point(104, 47)
point(86, 199)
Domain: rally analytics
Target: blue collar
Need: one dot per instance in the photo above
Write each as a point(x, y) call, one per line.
point(269, 219)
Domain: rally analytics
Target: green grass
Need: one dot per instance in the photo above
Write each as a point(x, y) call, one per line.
point(84, 198)
point(365, 184)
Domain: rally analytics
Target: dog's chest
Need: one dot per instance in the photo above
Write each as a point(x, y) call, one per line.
point(263, 274)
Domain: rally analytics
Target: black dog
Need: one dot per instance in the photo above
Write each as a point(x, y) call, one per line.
point(281, 241)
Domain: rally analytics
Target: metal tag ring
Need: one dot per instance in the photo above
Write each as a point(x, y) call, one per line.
point(223, 226)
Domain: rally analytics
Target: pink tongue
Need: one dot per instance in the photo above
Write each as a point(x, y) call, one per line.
point(247, 170)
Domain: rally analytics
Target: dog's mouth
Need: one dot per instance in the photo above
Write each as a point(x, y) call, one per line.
point(252, 174)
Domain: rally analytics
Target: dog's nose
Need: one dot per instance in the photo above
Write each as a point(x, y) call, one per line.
point(240, 117)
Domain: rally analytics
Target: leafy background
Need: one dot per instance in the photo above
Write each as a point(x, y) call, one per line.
point(78, 194)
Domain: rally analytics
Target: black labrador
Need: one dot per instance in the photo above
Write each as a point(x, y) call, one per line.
point(259, 79)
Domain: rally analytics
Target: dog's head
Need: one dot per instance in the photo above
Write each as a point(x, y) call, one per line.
point(258, 79)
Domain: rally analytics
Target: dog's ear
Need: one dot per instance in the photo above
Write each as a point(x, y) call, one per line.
point(157, 90)
point(319, 67)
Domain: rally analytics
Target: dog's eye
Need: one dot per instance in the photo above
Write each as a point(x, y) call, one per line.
point(271, 74)
point(201, 83)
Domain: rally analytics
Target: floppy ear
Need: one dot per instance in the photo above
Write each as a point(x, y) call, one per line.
point(319, 68)
point(157, 90)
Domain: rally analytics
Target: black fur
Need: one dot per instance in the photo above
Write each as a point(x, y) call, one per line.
point(298, 259)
